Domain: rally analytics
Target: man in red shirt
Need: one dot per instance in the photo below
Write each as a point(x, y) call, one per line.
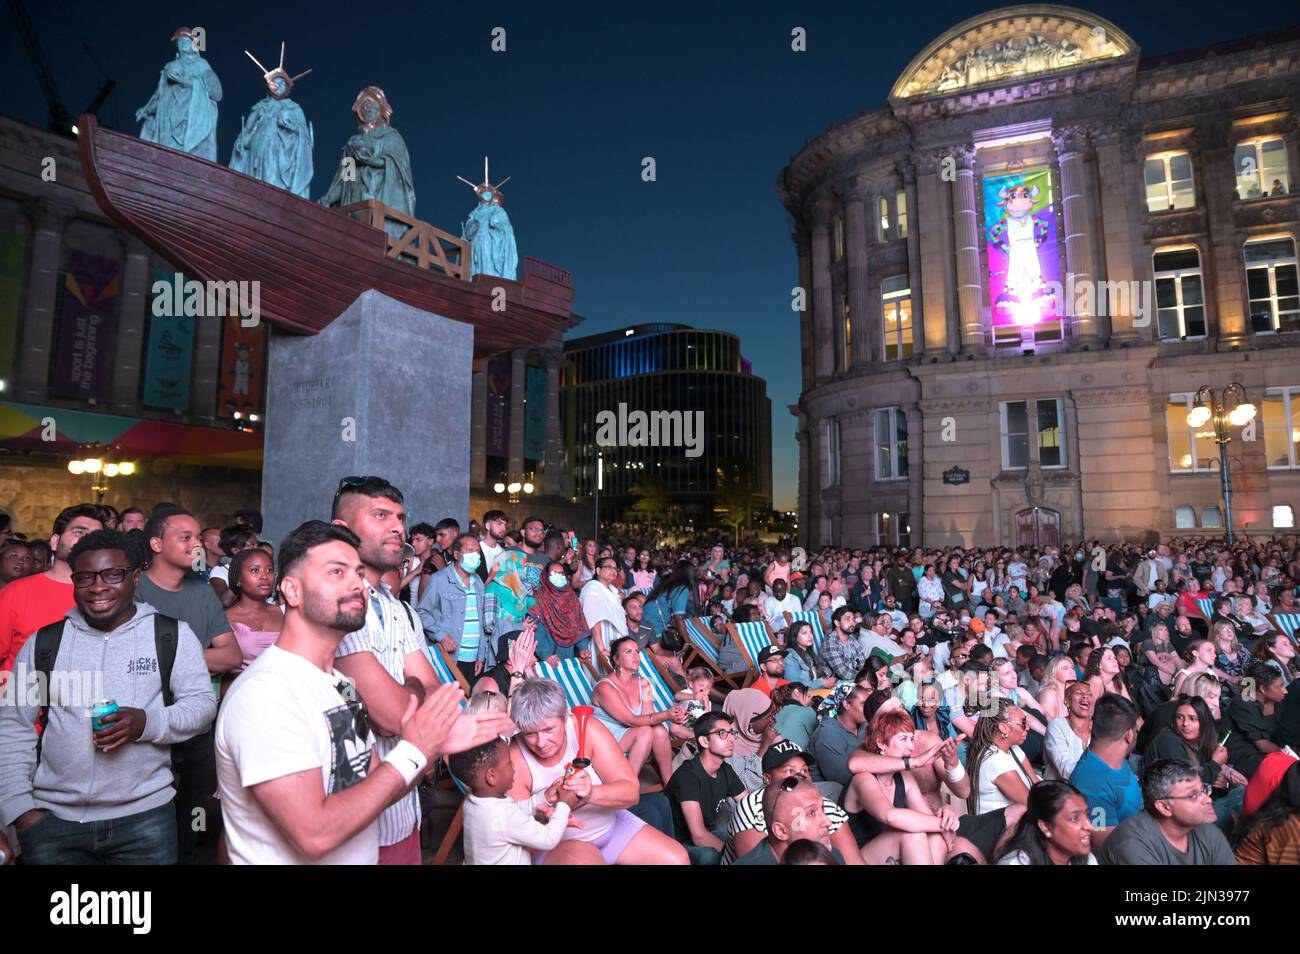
point(35, 601)
point(771, 666)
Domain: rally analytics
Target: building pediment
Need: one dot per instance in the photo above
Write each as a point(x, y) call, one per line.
point(1010, 45)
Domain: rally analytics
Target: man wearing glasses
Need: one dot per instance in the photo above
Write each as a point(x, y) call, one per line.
point(602, 607)
point(69, 799)
point(1176, 826)
point(703, 789)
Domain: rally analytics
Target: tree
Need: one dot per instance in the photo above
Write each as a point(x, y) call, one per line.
point(734, 494)
point(652, 500)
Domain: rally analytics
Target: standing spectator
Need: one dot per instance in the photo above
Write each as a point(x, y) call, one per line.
point(70, 801)
point(133, 518)
point(902, 584)
point(44, 597)
point(415, 577)
point(16, 561)
point(255, 622)
point(492, 542)
point(230, 541)
point(312, 791)
point(1175, 825)
point(562, 631)
point(703, 790)
point(1102, 774)
point(452, 606)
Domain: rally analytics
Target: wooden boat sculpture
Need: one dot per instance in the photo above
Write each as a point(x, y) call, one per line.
point(215, 224)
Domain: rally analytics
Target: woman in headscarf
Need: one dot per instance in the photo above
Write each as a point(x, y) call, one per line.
point(753, 724)
point(562, 630)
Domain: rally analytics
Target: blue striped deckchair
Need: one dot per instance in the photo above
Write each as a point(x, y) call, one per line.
point(751, 638)
point(1287, 622)
point(574, 678)
point(702, 649)
point(663, 693)
point(1206, 606)
point(443, 667)
point(809, 616)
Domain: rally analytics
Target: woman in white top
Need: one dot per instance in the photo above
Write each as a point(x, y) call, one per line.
point(1000, 773)
point(544, 748)
point(1055, 829)
point(930, 589)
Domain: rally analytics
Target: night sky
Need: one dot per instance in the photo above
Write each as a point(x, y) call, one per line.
point(581, 95)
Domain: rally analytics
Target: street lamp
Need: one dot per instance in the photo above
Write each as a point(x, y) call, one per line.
point(514, 485)
point(1240, 412)
point(101, 463)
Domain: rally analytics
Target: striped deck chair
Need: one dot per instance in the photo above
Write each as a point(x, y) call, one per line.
point(444, 667)
point(702, 650)
point(809, 616)
point(658, 681)
point(750, 639)
point(448, 672)
point(1206, 606)
point(1289, 623)
point(575, 678)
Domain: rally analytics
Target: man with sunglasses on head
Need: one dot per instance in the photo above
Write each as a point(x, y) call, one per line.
point(302, 780)
point(80, 796)
point(702, 791)
point(794, 812)
point(385, 655)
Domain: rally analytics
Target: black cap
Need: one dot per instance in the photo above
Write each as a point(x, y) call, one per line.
point(767, 652)
point(782, 752)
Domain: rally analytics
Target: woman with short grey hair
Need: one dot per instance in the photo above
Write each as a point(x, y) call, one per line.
point(544, 751)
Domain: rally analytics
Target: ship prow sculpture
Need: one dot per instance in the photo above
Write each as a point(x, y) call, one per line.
point(312, 262)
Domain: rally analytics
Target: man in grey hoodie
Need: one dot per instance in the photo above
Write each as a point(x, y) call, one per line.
point(101, 797)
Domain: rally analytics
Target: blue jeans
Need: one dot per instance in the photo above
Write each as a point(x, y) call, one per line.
point(546, 647)
point(146, 838)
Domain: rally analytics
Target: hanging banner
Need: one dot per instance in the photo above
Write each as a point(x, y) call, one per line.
point(243, 368)
point(1023, 258)
point(11, 289)
point(498, 406)
point(168, 362)
point(535, 414)
point(87, 328)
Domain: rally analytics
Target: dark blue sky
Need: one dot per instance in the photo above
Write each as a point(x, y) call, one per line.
point(583, 93)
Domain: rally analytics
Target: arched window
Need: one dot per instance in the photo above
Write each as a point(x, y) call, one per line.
point(1283, 517)
point(1185, 518)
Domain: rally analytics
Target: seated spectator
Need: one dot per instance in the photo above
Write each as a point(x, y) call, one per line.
point(702, 791)
point(1000, 772)
point(754, 719)
point(793, 809)
point(1271, 835)
point(698, 696)
point(546, 745)
point(771, 667)
point(805, 852)
point(1103, 776)
point(1266, 778)
point(1204, 686)
point(1058, 674)
point(1054, 830)
point(841, 733)
point(1253, 721)
point(499, 831)
point(800, 663)
point(1278, 651)
point(795, 718)
point(625, 704)
point(1176, 823)
point(562, 631)
point(1068, 737)
point(781, 601)
point(1200, 657)
point(842, 651)
point(1192, 738)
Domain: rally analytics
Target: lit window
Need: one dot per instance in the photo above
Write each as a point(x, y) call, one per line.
point(1211, 518)
point(1191, 450)
point(882, 221)
point(891, 443)
point(900, 203)
point(1185, 518)
point(846, 322)
point(1281, 413)
point(1169, 182)
point(1271, 283)
point(896, 312)
point(1051, 428)
point(838, 232)
point(1261, 169)
point(832, 451)
point(1283, 517)
point(1179, 302)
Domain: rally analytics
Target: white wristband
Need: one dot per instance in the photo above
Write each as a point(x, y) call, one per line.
point(957, 774)
point(408, 760)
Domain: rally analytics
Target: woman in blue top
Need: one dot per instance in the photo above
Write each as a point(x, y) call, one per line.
point(801, 662)
point(670, 597)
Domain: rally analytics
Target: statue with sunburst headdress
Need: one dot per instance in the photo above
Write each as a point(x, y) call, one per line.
point(488, 229)
point(182, 113)
point(275, 141)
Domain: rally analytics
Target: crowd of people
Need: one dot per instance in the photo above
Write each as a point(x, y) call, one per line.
point(298, 701)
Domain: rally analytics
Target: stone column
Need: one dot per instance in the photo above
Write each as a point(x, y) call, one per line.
point(1114, 158)
point(823, 307)
point(1225, 261)
point(966, 240)
point(478, 430)
point(136, 282)
point(913, 261)
point(802, 239)
point(866, 328)
point(36, 337)
point(518, 391)
point(1076, 206)
point(207, 369)
point(804, 511)
point(552, 472)
point(934, 251)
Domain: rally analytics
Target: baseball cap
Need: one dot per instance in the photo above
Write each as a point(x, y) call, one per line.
point(782, 752)
point(768, 652)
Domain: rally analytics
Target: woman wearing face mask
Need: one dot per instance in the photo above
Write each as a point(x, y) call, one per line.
point(562, 631)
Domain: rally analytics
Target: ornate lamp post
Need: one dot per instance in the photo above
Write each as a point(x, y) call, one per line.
point(101, 463)
point(1228, 407)
point(514, 485)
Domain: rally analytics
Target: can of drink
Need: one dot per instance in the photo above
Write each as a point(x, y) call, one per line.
point(98, 711)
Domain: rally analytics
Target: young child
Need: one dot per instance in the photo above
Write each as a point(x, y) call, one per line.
point(498, 830)
point(697, 695)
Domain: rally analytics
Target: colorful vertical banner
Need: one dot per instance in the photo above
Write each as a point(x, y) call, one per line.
point(498, 406)
point(11, 288)
point(169, 360)
point(1023, 257)
point(87, 328)
point(240, 383)
point(535, 414)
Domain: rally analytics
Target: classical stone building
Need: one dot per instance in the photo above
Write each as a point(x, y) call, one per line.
point(1021, 270)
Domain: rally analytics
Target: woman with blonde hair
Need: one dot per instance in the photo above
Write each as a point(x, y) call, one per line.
point(1051, 695)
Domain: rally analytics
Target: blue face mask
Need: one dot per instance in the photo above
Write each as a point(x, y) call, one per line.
point(559, 580)
point(470, 561)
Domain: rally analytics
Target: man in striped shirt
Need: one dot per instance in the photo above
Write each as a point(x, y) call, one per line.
point(451, 609)
point(385, 658)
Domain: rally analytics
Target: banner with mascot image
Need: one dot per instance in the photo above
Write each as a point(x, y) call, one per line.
point(1023, 255)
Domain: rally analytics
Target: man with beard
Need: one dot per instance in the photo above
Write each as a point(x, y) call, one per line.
point(35, 601)
point(301, 777)
point(492, 542)
point(385, 655)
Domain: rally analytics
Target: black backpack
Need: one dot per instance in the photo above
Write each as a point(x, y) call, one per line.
point(49, 638)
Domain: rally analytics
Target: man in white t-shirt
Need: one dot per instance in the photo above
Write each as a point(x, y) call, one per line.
point(1017, 571)
point(301, 781)
point(492, 543)
point(781, 601)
